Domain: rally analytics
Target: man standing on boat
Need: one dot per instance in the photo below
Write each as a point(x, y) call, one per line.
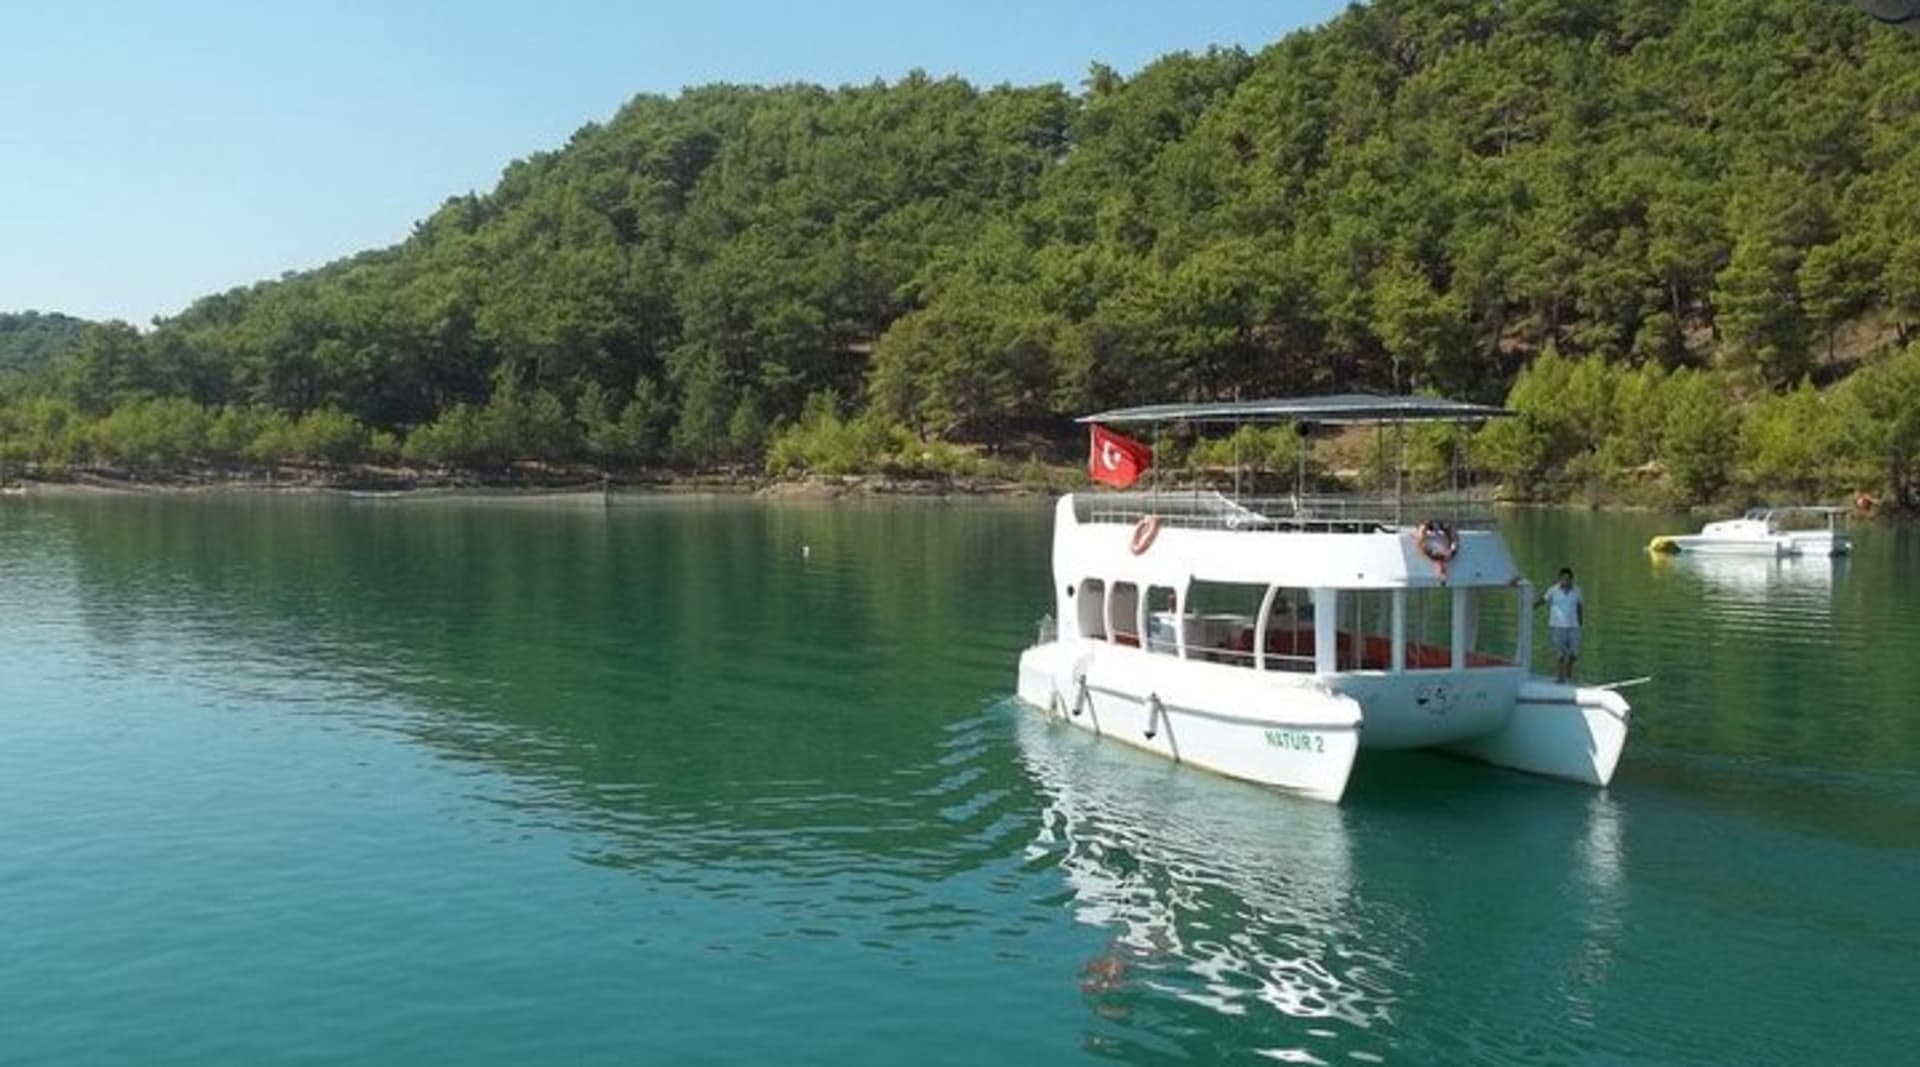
point(1565, 615)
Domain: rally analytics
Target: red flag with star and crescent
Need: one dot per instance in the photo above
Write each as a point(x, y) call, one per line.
point(1115, 460)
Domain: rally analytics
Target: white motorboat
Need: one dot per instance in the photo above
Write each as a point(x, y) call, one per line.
point(1772, 531)
point(1272, 641)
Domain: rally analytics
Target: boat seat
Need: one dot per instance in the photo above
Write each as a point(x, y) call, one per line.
point(1376, 651)
point(1290, 642)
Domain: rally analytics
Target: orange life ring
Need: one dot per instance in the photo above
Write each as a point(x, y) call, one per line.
point(1437, 541)
point(1864, 503)
point(1144, 532)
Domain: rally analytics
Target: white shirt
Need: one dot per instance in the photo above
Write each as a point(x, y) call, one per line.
point(1563, 607)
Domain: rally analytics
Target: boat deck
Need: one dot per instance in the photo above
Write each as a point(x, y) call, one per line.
point(1206, 509)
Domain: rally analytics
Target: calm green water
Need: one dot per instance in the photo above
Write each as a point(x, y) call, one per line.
point(319, 780)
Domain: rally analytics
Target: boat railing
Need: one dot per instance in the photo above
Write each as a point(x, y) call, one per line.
point(1799, 518)
point(1206, 509)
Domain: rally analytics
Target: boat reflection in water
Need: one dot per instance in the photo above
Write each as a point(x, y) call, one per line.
point(1329, 933)
point(1220, 894)
point(1789, 599)
point(1799, 578)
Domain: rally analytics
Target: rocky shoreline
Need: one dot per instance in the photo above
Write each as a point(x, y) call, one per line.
point(520, 481)
point(552, 483)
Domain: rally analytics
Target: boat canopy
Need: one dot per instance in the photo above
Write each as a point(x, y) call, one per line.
point(1765, 510)
point(1347, 409)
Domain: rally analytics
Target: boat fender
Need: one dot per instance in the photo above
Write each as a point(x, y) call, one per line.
point(1144, 532)
point(1155, 712)
point(1438, 542)
point(1081, 695)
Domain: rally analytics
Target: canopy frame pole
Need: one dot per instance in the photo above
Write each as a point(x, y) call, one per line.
point(1238, 496)
point(1303, 439)
point(1153, 485)
point(1400, 472)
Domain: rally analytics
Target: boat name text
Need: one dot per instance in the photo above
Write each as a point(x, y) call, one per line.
point(1296, 741)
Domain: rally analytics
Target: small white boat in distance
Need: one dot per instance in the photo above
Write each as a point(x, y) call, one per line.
point(1800, 530)
point(1273, 640)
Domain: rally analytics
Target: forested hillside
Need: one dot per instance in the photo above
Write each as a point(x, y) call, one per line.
point(30, 339)
point(1422, 194)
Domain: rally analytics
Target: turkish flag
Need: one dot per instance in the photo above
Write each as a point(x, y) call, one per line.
point(1115, 460)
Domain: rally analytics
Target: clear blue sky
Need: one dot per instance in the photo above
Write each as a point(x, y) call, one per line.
point(152, 152)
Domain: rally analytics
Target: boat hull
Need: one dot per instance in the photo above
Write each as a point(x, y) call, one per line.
point(1819, 543)
point(1427, 709)
point(1769, 547)
point(1303, 733)
point(1277, 731)
point(1779, 547)
point(1560, 731)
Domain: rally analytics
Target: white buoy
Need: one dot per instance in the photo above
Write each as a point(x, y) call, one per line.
point(806, 551)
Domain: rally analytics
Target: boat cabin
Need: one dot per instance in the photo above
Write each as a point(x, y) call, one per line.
point(1314, 593)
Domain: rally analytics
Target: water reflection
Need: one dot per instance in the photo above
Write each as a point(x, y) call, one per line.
point(1806, 581)
point(672, 680)
point(1141, 842)
point(1333, 933)
point(722, 750)
point(1217, 895)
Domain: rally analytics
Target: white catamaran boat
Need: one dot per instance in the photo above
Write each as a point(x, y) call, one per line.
point(1774, 531)
point(1274, 640)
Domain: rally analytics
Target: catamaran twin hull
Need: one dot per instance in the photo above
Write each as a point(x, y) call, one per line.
point(1346, 636)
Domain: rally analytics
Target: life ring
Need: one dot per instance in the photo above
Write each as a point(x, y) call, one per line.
point(1438, 542)
point(1864, 503)
point(1144, 532)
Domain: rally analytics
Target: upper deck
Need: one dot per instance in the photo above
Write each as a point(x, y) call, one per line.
point(1300, 511)
point(1206, 509)
point(1330, 539)
point(1334, 543)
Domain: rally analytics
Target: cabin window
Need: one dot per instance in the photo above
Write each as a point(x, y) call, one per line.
point(1123, 614)
point(1163, 620)
point(1092, 609)
point(1220, 620)
point(1290, 637)
point(1494, 617)
point(1366, 630)
point(1430, 629)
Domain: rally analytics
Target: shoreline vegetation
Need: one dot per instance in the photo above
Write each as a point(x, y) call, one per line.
point(390, 485)
point(1582, 431)
point(1267, 460)
point(531, 482)
point(1676, 238)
